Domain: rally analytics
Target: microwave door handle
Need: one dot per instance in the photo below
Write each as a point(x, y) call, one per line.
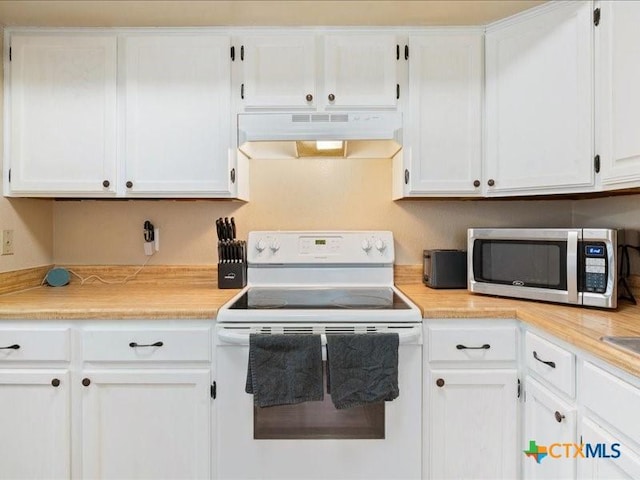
point(572, 267)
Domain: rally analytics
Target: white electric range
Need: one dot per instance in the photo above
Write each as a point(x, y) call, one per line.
point(322, 283)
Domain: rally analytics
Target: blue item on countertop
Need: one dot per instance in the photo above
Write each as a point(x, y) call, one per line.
point(57, 277)
point(284, 369)
point(362, 369)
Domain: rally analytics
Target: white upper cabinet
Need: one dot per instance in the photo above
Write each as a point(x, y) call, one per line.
point(62, 114)
point(360, 71)
point(279, 71)
point(539, 98)
point(443, 141)
point(92, 114)
point(177, 115)
point(618, 95)
point(309, 71)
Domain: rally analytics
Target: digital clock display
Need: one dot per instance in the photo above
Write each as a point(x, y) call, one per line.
point(594, 250)
point(321, 241)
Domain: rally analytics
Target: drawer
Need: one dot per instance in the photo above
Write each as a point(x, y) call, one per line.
point(611, 398)
point(18, 345)
point(472, 344)
point(551, 363)
point(146, 345)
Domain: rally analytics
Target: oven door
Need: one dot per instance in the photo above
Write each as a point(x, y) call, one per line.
point(313, 439)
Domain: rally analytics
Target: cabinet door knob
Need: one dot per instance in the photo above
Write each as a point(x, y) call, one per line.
point(476, 183)
point(559, 417)
point(309, 97)
point(440, 382)
point(332, 97)
point(86, 382)
point(106, 184)
point(55, 382)
point(129, 184)
point(491, 182)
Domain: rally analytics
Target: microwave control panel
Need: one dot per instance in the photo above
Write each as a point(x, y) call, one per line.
point(595, 268)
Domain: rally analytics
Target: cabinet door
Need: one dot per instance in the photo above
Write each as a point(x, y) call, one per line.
point(473, 422)
point(62, 109)
point(178, 115)
point(444, 148)
point(548, 420)
point(146, 424)
point(360, 70)
point(607, 465)
point(539, 102)
point(279, 71)
point(618, 96)
point(34, 415)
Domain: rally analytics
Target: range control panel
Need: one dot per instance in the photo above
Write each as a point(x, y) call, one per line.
point(335, 247)
point(595, 270)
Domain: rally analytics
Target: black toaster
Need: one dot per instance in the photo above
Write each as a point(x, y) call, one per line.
point(445, 268)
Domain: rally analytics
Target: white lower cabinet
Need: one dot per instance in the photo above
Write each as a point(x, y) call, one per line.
point(35, 401)
point(146, 424)
point(34, 418)
point(615, 461)
point(472, 422)
point(549, 421)
point(144, 394)
point(471, 398)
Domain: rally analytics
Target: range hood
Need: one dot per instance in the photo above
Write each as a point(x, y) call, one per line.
point(294, 135)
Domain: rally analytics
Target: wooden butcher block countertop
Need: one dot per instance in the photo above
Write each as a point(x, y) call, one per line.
point(192, 293)
point(156, 293)
point(582, 327)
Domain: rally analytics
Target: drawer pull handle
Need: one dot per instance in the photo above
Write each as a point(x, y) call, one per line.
point(55, 382)
point(15, 346)
point(86, 382)
point(440, 382)
point(551, 364)
point(157, 344)
point(559, 417)
point(486, 346)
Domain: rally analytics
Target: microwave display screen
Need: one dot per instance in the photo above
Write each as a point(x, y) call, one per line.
point(594, 250)
point(530, 263)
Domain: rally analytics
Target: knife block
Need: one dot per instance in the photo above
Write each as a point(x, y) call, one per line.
point(232, 275)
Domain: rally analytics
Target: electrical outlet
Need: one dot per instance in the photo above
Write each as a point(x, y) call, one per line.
point(7, 242)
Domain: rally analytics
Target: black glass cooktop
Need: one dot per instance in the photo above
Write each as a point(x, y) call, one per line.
point(313, 298)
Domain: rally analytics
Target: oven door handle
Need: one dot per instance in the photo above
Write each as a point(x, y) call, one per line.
point(234, 337)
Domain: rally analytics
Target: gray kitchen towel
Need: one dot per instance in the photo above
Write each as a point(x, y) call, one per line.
point(284, 369)
point(362, 369)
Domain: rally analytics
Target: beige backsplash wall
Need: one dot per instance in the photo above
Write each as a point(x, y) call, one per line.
point(286, 194)
point(31, 221)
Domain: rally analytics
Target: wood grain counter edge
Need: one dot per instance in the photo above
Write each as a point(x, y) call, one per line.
point(577, 326)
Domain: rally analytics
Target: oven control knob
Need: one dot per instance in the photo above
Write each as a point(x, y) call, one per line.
point(275, 246)
point(366, 245)
point(380, 245)
point(261, 245)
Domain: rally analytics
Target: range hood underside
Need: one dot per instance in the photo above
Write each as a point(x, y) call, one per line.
point(297, 149)
point(293, 135)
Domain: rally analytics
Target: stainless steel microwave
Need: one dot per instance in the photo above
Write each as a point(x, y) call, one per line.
point(577, 266)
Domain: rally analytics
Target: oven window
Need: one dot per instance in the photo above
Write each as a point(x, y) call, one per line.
point(318, 420)
point(540, 264)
